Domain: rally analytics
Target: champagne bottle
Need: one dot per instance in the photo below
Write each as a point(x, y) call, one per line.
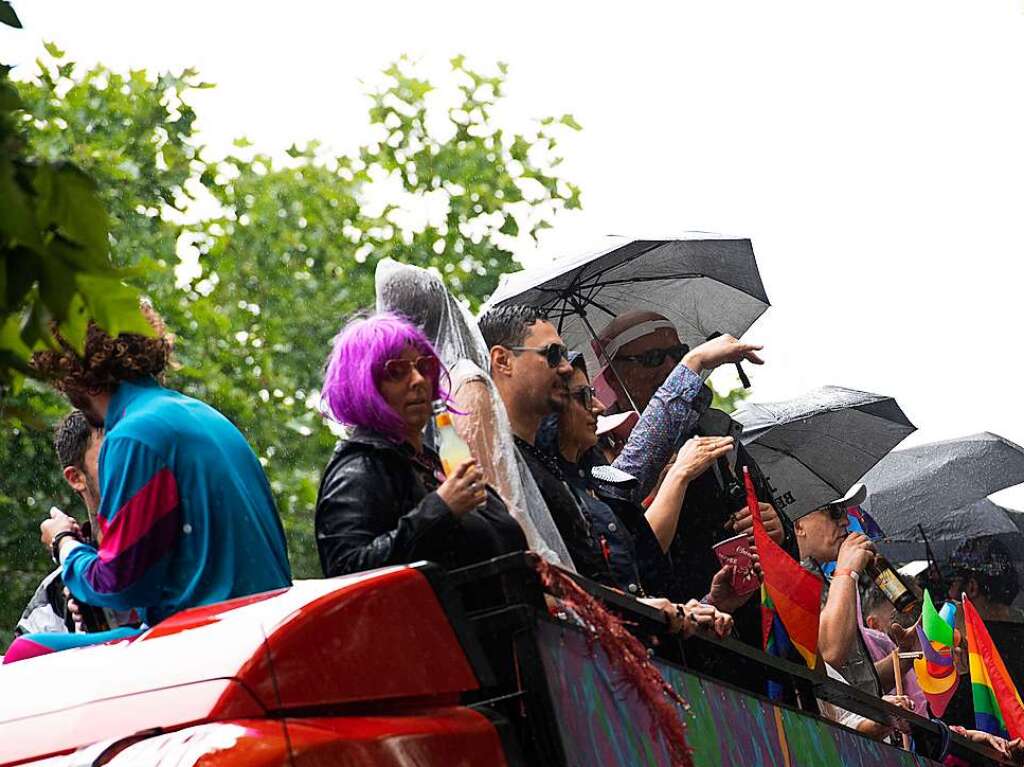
point(451, 448)
point(890, 583)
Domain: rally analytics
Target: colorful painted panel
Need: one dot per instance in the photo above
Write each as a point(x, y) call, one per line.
point(604, 723)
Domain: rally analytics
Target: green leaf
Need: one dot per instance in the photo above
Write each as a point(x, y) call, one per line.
point(17, 218)
point(510, 227)
point(8, 16)
point(76, 324)
point(68, 201)
point(53, 50)
point(569, 121)
point(113, 305)
point(9, 98)
point(56, 286)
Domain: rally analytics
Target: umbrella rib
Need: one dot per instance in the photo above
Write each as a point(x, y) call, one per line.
point(659, 278)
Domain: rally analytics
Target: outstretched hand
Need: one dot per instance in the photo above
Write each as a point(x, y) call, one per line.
point(720, 351)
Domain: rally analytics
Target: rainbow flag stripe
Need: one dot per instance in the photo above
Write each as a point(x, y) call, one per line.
point(793, 593)
point(997, 705)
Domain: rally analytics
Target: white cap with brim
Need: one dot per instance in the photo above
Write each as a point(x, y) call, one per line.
point(854, 497)
point(610, 423)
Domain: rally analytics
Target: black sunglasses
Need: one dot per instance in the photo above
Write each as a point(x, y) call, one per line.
point(653, 358)
point(553, 353)
point(836, 513)
point(585, 395)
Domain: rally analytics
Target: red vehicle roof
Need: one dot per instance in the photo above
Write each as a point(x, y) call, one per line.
point(381, 635)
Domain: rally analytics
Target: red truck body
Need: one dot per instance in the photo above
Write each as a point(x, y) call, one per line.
point(234, 676)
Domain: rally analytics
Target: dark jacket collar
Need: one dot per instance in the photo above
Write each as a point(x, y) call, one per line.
point(374, 439)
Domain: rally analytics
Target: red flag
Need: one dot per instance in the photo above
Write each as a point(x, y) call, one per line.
point(794, 592)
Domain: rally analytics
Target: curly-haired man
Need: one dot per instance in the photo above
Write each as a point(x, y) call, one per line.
point(186, 515)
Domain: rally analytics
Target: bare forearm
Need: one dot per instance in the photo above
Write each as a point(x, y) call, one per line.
point(837, 625)
point(663, 513)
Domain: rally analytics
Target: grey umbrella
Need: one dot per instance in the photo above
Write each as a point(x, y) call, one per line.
point(814, 447)
point(703, 283)
point(949, 528)
point(924, 484)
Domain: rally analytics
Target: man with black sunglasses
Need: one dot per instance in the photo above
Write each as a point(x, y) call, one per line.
point(531, 370)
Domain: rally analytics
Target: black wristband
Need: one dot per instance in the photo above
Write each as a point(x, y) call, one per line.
point(55, 546)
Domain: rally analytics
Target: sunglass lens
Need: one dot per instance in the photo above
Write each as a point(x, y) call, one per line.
point(556, 353)
point(396, 370)
point(429, 367)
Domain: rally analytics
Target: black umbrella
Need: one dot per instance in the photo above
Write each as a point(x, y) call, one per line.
point(703, 283)
point(814, 447)
point(924, 485)
point(947, 530)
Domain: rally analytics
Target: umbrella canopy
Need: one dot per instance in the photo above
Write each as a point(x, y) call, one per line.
point(814, 447)
point(922, 484)
point(948, 530)
point(703, 283)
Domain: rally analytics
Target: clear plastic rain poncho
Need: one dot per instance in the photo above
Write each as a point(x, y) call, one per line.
point(422, 297)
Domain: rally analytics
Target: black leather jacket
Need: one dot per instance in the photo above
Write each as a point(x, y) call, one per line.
point(377, 506)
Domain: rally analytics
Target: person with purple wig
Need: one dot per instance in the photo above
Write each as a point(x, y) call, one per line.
point(383, 498)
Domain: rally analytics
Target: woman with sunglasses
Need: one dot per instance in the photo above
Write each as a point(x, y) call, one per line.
point(627, 540)
point(479, 414)
point(383, 499)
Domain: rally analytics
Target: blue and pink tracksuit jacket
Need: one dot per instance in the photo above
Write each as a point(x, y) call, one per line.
point(186, 514)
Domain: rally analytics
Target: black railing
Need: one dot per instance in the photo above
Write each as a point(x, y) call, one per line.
point(503, 603)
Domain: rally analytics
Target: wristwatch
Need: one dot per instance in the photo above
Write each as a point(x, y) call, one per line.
point(55, 546)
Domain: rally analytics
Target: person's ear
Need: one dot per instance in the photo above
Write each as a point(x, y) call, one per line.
point(76, 478)
point(798, 528)
point(872, 622)
point(501, 361)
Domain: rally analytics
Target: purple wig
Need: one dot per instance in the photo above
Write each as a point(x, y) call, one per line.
point(356, 366)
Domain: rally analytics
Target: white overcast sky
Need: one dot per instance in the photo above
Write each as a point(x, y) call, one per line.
point(873, 150)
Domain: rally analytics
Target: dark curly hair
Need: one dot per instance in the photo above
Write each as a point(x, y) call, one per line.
point(107, 361)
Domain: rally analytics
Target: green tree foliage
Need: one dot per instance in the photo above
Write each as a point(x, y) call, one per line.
point(287, 253)
point(54, 265)
point(730, 400)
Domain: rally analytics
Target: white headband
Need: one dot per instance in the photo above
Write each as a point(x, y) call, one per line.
point(612, 345)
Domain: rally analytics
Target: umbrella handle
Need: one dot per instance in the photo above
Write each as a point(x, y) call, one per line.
point(743, 376)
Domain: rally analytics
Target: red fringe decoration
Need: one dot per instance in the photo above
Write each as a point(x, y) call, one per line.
point(628, 656)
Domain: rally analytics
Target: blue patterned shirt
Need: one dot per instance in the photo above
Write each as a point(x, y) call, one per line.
point(667, 421)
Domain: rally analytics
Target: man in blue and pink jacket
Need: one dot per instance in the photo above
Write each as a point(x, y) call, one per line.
point(186, 514)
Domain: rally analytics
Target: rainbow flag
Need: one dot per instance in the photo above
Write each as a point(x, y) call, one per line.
point(997, 705)
point(936, 673)
point(776, 640)
point(793, 593)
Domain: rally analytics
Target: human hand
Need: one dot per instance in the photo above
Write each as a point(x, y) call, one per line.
point(465, 489)
point(856, 552)
point(57, 523)
point(743, 522)
point(900, 701)
point(722, 595)
point(906, 639)
point(74, 609)
point(700, 617)
point(697, 454)
point(1011, 749)
point(719, 351)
